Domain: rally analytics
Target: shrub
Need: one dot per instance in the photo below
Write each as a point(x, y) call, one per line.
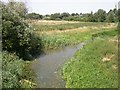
point(16, 36)
point(15, 72)
point(12, 68)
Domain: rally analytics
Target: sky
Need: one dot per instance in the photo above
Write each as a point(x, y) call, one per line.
point(71, 6)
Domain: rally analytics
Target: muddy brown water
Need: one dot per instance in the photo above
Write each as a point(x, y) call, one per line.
point(48, 66)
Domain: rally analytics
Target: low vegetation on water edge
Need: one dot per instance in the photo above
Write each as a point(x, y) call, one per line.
point(14, 71)
point(95, 65)
point(58, 39)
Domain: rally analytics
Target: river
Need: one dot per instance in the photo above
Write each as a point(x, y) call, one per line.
point(47, 67)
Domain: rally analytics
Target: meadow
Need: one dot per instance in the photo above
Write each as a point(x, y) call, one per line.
point(56, 38)
point(95, 65)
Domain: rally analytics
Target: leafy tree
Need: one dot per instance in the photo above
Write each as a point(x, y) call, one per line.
point(16, 36)
point(64, 15)
point(74, 14)
point(111, 17)
point(18, 7)
point(119, 15)
point(91, 17)
point(100, 15)
point(34, 16)
point(55, 16)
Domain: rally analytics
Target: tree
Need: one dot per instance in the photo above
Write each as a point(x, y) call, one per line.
point(16, 36)
point(34, 16)
point(64, 15)
point(100, 15)
point(55, 16)
point(90, 17)
point(111, 17)
point(119, 15)
point(18, 7)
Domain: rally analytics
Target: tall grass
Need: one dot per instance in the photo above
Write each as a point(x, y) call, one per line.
point(87, 68)
point(60, 40)
point(40, 27)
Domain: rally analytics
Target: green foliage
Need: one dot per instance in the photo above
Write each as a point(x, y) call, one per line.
point(12, 68)
point(14, 71)
point(60, 40)
point(35, 46)
point(16, 35)
point(18, 7)
point(87, 70)
point(55, 16)
point(100, 15)
point(119, 15)
point(34, 16)
point(28, 76)
point(106, 33)
point(64, 15)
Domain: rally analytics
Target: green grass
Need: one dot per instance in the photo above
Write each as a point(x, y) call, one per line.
point(60, 40)
point(87, 70)
point(39, 27)
point(110, 33)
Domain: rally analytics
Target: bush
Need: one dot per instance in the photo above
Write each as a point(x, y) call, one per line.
point(12, 68)
point(15, 72)
point(16, 35)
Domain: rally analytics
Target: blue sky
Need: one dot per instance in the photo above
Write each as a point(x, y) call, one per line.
point(71, 6)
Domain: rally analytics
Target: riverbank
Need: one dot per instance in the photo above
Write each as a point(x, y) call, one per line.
point(54, 44)
point(58, 39)
point(95, 65)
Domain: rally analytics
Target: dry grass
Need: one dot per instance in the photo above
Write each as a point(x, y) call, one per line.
point(114, 67)
point(80, 29)
point(107, 58)
point(51, 22)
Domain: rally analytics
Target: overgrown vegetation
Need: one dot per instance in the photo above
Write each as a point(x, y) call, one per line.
point(16, 38)
point(94, 66)
point(16, 34)
point(59, 39)
point(13, 69)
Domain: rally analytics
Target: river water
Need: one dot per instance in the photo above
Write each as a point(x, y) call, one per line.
point(47, 66)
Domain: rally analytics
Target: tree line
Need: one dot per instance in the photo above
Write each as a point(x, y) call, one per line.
point(99, 16)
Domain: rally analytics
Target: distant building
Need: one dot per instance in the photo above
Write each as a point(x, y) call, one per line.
point(119, 5)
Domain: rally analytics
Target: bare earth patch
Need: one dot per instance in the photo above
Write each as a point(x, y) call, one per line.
point(114, 67)
point(107, 58)
point(115, 39)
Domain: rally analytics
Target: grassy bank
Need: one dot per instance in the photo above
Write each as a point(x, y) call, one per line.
point(95, 66)
point(60, 40)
